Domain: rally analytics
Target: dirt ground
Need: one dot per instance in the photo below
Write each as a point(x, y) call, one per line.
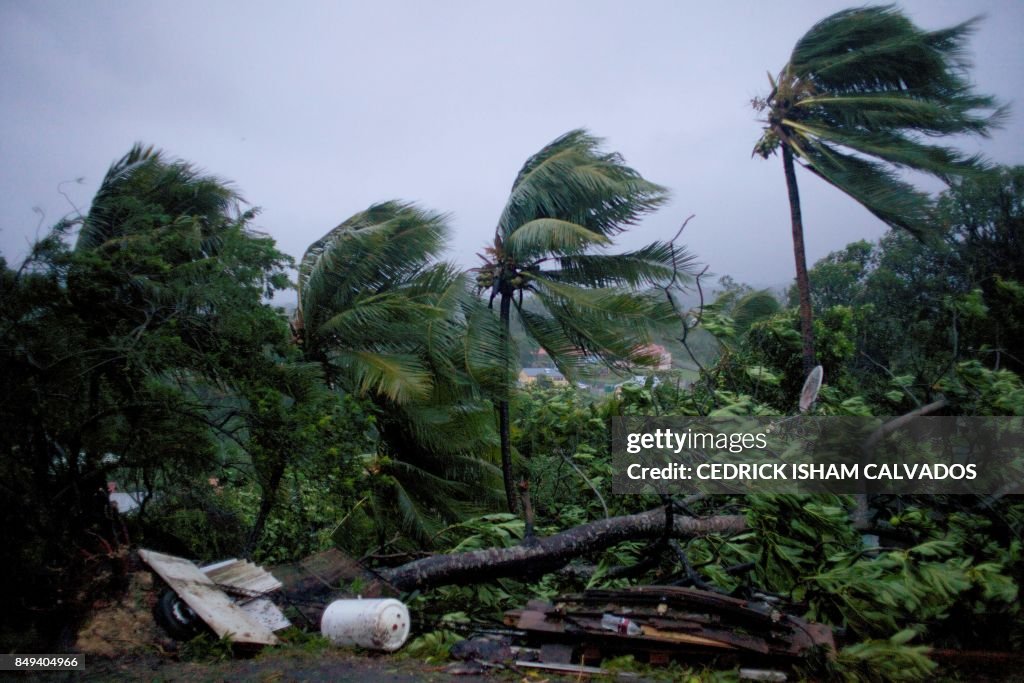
point(331, 665)
point(121, 642)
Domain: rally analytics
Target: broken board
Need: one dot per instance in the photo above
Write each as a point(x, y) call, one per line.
point(209, 602)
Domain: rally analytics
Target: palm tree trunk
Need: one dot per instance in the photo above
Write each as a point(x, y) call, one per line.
point(803, 283)
point(553, 552)
point(504, 421)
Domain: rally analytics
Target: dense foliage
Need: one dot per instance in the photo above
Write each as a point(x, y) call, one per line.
point(140, 345)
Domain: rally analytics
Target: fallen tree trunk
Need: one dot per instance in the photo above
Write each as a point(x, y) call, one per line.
point(552, 553)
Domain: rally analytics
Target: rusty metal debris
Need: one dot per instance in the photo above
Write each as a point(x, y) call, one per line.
point(671, 621)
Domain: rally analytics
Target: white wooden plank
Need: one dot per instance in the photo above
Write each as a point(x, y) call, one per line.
point(209, 603)
point(265, 612)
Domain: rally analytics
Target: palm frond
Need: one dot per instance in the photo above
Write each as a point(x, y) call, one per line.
point(425, 501)
point(610, 301)
point(399, 377)
point(370, 252)
point(374, 316)
point(899, 150)
point(572, 180)
point(872, 184)
point(878, 49)
point(551, 335)
point(488, 360)
point(613, 326)
point(650, 265)
point(956, 113)
point(541, 236)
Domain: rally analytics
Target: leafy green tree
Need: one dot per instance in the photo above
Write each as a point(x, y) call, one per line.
point(861, 94)
point(838, 279)
point(567, 203)
point(124, 357)
point(922, 308)
point(985, 220)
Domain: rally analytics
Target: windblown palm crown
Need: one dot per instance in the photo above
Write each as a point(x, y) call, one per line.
point(390, 322)
point(862, 94)
point(567, 203)
point(863, 91)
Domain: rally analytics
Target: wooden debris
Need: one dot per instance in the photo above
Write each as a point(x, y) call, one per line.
point(263, 611)
point(672, 620)
point(555, 653)
point(564, 668)
point(248, 584)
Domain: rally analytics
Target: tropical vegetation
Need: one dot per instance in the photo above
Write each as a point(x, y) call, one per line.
point(142, 349)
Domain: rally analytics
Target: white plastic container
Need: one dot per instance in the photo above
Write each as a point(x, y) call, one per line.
point(373, 624)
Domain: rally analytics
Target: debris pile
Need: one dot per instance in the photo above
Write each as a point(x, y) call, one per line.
point(661, 622)
point(230, 597)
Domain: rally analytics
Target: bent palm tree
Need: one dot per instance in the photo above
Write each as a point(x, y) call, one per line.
point(567, 203)
point(389, 322)
point(862, 91)
point(365, 291)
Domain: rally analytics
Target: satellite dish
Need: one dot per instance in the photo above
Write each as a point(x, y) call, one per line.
point(811, 387)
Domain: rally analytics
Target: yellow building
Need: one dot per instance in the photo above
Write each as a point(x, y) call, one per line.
point(528, 376)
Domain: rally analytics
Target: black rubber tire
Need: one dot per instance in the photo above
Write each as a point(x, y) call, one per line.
point(176, 617)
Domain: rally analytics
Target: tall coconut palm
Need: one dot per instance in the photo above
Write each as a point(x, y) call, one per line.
point(567, 203)
point(862, 93)
point(390, 322)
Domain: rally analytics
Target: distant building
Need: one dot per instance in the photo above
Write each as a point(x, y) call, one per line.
point(528, 376)
point(663, 356)
point(540, 359)
point(126, 502)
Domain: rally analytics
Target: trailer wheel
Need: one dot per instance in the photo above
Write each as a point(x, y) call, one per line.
point(176, 617)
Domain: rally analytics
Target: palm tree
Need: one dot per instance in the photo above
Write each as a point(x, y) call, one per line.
point(567, 203)
point(862, 92)
point(364, 290)
point(390, 322)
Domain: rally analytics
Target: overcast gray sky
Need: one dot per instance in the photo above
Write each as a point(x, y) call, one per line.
point(317, 109)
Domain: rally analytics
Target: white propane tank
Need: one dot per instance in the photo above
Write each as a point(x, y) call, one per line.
point(373, 624)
